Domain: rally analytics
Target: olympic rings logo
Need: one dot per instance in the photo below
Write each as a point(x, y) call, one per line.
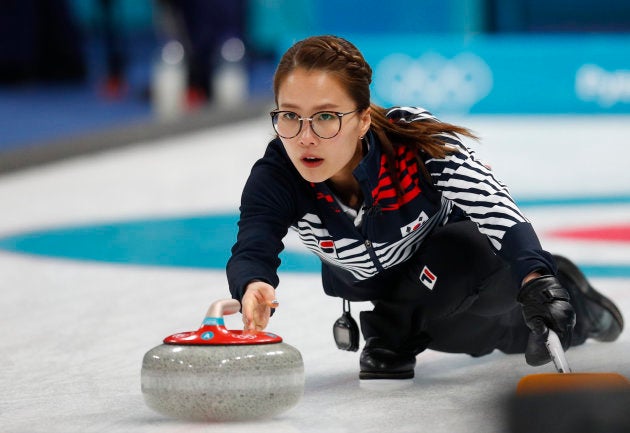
point(433, 81)
point(244, 336)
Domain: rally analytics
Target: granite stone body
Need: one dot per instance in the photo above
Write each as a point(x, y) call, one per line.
point(222, 382)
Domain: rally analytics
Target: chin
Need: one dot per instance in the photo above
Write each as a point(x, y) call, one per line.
point(312, 177)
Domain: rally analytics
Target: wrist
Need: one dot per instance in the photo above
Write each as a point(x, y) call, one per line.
point(537, 273)
point(530, 277)
point(542, 290)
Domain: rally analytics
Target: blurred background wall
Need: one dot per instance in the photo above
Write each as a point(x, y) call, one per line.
point(73, 70)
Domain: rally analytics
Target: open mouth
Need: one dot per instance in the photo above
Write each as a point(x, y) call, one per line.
point(312, 161)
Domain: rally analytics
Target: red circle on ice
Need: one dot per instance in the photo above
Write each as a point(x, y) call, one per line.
point(612, 233)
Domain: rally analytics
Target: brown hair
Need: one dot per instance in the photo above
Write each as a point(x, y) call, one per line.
point(341, 58)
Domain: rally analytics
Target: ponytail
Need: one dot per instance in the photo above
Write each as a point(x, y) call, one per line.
point(426, 139)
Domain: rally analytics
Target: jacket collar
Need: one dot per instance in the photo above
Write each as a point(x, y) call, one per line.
point(368, 169)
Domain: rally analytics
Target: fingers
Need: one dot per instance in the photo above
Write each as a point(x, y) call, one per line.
point(253, 320)
point(248, 323)
point(540, 329)
point(265, 294)
point(537, 326)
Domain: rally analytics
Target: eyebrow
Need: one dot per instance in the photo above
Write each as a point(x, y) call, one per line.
point(317, 108)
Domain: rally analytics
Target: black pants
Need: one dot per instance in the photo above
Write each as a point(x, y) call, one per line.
point(455, 295)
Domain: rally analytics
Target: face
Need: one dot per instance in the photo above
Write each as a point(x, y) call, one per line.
point(318, 159)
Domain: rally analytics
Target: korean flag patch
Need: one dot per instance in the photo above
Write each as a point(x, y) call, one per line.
point(414, 225)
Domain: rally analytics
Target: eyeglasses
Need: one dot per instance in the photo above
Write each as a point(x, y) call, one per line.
point(325, 124)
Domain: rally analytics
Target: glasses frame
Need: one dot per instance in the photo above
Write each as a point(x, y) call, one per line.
point(339, 114)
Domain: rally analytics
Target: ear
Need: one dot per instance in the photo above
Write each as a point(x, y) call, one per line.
point(365, 121)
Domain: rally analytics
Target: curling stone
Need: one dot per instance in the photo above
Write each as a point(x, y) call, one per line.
point(216, 374)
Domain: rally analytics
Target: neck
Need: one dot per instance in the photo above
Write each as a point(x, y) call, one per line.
point(349, 193)
point(344, 184)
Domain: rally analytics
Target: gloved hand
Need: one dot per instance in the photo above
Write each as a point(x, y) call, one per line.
point(545, 305)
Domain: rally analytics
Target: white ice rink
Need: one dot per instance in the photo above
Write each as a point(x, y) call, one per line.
point(72, 334)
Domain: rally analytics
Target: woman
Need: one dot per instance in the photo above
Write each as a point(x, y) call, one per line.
point(401, 214)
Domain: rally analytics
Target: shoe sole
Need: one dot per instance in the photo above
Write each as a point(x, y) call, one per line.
point(576, 276)
point(380, 375)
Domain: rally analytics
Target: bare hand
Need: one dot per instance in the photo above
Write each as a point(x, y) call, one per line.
point(257, 302)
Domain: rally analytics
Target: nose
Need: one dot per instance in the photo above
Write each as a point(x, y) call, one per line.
point(306, 135)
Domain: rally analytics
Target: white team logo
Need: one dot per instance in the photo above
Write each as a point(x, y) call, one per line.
point(607, 88)
point(428, 278)
point(414, 225)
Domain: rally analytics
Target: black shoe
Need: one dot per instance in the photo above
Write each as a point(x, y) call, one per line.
point(597, 316)
point(383, 363)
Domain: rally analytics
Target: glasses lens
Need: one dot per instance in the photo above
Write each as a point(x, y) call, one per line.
point(326, 124)
point(286, 124)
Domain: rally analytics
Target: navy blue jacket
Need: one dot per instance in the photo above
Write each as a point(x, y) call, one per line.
point(358, 259)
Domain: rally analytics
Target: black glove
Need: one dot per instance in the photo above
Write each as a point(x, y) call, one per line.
point(545, 305)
